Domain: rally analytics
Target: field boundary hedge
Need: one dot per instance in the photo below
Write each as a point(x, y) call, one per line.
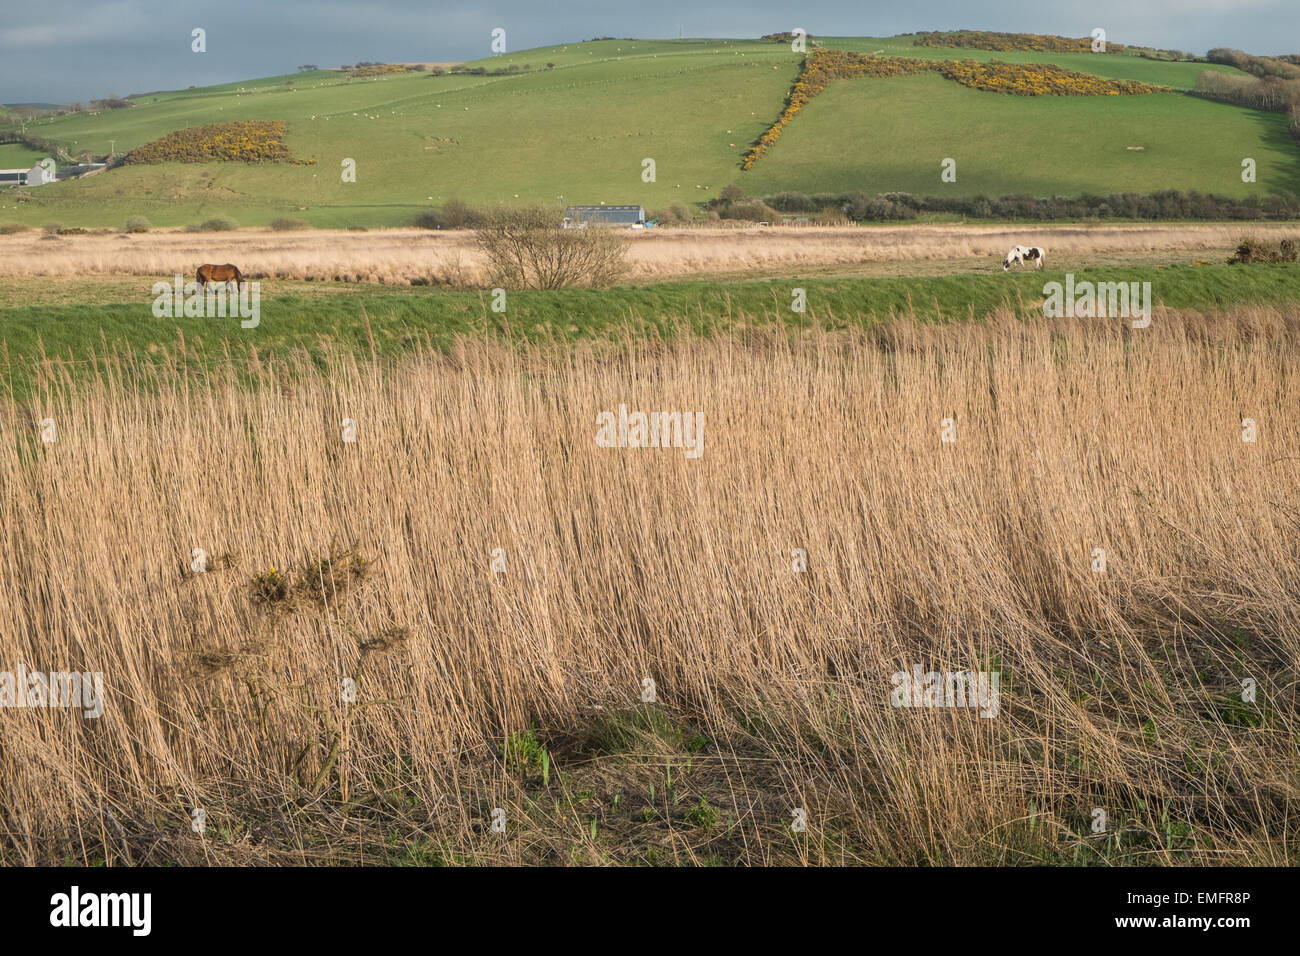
point(1005, 42)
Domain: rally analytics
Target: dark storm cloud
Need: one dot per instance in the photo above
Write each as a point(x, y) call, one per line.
point(78, 49)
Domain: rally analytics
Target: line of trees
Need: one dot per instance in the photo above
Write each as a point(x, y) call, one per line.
point(1284, 67)
point(1165, 204)
point(1273, 83)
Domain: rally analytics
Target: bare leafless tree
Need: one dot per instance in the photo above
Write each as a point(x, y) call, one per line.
point(528, 248)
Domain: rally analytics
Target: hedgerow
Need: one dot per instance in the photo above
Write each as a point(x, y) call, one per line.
point(786, 37)
point(1002, 42)
point(37, 143)
point(1168, 204)
point(1282, 67)
point(381, 69)
point(1022, 79)
point(251, 141)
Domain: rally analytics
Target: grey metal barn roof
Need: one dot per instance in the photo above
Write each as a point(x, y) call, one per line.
point(605, 213)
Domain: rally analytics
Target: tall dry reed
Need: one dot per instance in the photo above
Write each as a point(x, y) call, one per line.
point(224, 689)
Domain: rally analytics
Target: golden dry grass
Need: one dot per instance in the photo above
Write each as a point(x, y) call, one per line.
point(1119, 690)
point(398, 256)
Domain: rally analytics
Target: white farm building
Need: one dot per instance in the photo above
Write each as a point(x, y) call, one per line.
point(40, 174)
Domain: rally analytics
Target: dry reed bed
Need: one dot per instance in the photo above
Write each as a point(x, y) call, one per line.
point(398, 256)
point(626, 563)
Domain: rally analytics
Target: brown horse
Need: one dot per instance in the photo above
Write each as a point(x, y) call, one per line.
point(221, 273)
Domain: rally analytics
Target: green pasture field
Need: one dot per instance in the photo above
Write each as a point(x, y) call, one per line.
point(578, 132)
point(66, 339)
point(881, 135)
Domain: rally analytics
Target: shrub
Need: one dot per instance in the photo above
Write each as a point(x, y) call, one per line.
point(1252, 249)
point(791, 202)
point(11, 228)
point(428, 219)
point(677, 212)
point(528, 248)
point(903, 199)
point(454, 214)
point(52, 228)
point(250, 142)
point(459, 215)
point(219, 224)
point(732, 203)
point(753, 210)
point(878, 209)
point(137, 224)
point(284, 224)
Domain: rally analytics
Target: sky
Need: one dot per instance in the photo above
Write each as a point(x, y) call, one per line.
point(76, 50)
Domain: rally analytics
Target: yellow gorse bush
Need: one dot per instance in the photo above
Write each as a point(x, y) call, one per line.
point(1038, 79)
point(379, 69)
point(251, 141)
point(1021, 79)
point(989, 40)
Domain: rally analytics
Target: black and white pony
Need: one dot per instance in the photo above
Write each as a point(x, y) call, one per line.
point(1023, 255)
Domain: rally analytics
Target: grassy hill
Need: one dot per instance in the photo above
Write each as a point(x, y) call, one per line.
point(847, 140)
point(580, 128)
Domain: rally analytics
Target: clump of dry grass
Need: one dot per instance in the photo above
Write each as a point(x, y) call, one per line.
point(1252, 249)
point(1119, 690)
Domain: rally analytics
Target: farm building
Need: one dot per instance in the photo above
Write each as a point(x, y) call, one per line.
point(40, 174)
point(579, 216)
